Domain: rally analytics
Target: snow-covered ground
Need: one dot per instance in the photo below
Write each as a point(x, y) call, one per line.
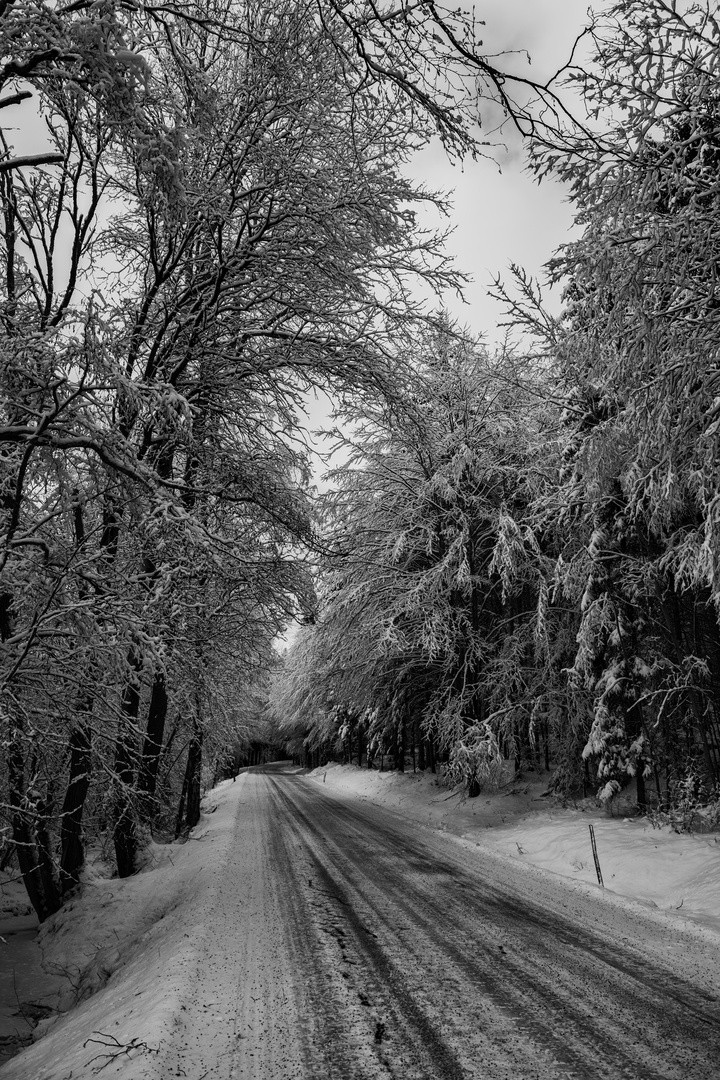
point(154, 932)
point(146, 932)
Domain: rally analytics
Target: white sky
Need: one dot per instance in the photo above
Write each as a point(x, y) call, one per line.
point(501, 215)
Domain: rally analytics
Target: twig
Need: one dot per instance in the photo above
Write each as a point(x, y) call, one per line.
point(117, 1049)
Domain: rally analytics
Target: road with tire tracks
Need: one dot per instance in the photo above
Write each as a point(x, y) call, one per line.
point(367, 947)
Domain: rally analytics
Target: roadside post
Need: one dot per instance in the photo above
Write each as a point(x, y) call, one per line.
point(595, 857)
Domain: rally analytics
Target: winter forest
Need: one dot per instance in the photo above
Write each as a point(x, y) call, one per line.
point(516, 555)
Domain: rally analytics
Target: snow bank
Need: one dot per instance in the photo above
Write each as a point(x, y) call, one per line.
point(667, 870)
point(127, 949)
point(658, 867)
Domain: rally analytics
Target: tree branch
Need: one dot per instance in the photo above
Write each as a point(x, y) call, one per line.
point(29, 159)
point(15, 99)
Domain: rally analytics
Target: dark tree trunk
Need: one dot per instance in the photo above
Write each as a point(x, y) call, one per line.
point(31, 840)
point(6, 615)
point(181, 806)
point(641, 793)
point(72, 853)
point(421, 754)
point(400, 755)
point(124, 828)
point(658, 785)
point(36, 868)
point(29, 831)
point(635, 727)
point(674, 624)
point(152, 745)
point(193, 774)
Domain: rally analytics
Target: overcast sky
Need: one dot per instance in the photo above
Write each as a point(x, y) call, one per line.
point(501, 215)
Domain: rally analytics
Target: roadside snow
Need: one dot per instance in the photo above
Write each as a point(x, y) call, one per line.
point(146, 931)
point(659, 867)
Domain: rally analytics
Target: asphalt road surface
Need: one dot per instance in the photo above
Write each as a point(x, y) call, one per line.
point(353, 945)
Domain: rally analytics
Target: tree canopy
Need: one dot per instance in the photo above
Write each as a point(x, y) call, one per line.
point(212, 220)
point(518, 559)
point(552, 575)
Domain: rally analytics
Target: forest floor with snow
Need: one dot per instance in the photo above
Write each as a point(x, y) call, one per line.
point(151, 925)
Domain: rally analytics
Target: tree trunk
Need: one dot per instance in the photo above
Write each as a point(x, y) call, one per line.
point(181, 806)
point(400, 755)
point(674, 625)
point(29, 831)
point(635, 727)
point(31, 839)
point(6, 615)
point(193, 774)
point(124, 829)
point(641, 793)
point(72, 853)
point(431, 753)
point(152, 745)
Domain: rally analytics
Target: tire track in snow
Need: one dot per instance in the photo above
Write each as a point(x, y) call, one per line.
point(388, 1021)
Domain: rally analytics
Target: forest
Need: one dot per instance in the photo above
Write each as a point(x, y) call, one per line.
point(208, 220)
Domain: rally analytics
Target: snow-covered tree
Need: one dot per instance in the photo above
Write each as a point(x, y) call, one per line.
point(238, 231)
point(636, 359)
point(214, 221)
point(429, 605)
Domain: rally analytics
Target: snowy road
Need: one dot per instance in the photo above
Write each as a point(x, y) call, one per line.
point(347, 944)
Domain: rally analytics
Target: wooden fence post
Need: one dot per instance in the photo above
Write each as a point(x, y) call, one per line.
point(595, 857)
